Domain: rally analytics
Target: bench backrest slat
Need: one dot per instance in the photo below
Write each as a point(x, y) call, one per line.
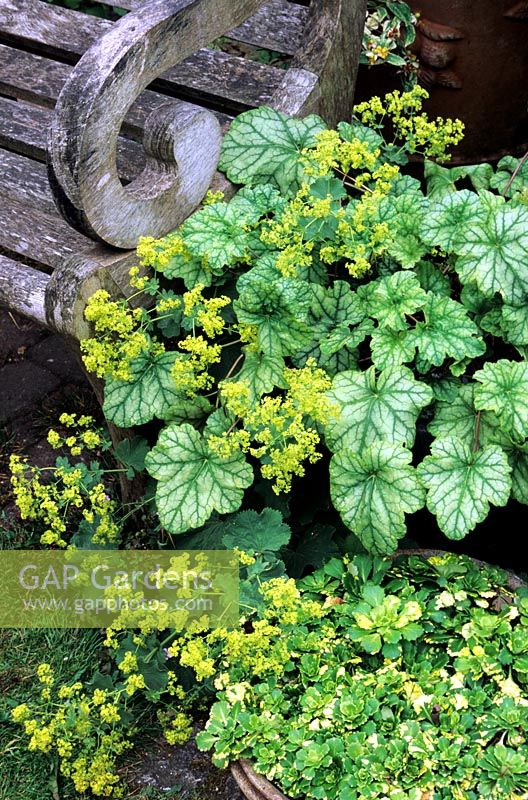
point(218, 78)
point(278, 25)
point(34, 78)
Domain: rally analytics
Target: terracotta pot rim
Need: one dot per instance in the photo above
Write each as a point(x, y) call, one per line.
point(257, 787)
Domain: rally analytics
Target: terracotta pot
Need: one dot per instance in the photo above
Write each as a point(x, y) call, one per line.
point(474, 60)
point(257, 787)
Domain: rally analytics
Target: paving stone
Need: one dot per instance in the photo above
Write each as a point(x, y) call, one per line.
point(53, 354)
point(21, 386)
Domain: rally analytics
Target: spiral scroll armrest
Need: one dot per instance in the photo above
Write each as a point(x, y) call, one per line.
point(182, 142)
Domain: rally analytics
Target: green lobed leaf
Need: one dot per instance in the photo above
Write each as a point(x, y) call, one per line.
point(518, 460)
point(448, 218)
point(262, 372)
point(332, 312)
point(384, 407)
point(514, 323)
point(403, 215)
point(257, 533)
point(432, 279)
point(373, 490)
point(391, 348)
point(504, 390)
point(447, 331)
point(151, 392)
point(458, 417)
point(264, 145)
point(217, 233)
point(279, 310)
point(389, 300)
point(442, 180)
point(502, 180)
point(461, 484)
point(494, 251)
point(193, 481)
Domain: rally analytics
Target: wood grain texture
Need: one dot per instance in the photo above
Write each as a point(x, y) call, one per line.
point(227, 82)
point(23, 289)
point(77, 278)
point(39, 238)
point(278, 25)
point(182, 142)
point(24, 129)
point(330, 49)
point(25, 179)
point(40, 80)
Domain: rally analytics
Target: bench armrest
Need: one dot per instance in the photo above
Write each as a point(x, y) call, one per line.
point(182, 142)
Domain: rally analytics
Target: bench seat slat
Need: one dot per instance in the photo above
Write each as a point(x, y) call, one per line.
point(278, 25)
point(23, 178)
point(23, 288)
point(216, 77)
point(37, 79)
point(37, 236)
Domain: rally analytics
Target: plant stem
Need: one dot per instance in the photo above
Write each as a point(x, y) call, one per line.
point(516, 172)
point(234, 366)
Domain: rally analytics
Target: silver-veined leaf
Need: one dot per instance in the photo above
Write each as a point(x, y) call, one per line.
point(461, 483)
point(264, 146)
point(447, 331)
point(384, 407)
point(151, 392)
point(193, 481)
point(504, 390)
point(373, 490)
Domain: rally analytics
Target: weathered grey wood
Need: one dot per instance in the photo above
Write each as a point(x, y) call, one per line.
point(182, 143)
point(24, 129)
point(40, 238)
point(23, 178)
point(23, 289)
point(37, 79)
point(330, 49)
point(216, 78)
point(77, 278)
point(278, 25)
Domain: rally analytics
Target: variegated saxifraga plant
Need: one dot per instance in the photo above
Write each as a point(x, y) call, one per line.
point(334, 308)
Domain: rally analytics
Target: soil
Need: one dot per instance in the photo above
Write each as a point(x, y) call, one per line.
point(183, 770)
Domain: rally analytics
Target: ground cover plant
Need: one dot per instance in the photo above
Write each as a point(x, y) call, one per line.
point(378, 680)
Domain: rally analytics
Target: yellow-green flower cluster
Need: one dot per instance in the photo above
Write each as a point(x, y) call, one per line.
point(205, 312)
point(118, 338)
point(190, 372)
point(177, 726)
point(82, 435)
point(61, 502)
point(161, 253)
point(279, 430)
point(332, 152)
point(82, 729)
point(401, 110)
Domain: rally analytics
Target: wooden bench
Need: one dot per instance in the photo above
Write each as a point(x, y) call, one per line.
point(123, 160)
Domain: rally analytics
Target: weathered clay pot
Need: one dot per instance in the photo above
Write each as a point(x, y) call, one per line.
point(473, 58)
point(257, 787)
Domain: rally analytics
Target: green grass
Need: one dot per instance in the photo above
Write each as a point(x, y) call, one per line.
point(25, 775)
